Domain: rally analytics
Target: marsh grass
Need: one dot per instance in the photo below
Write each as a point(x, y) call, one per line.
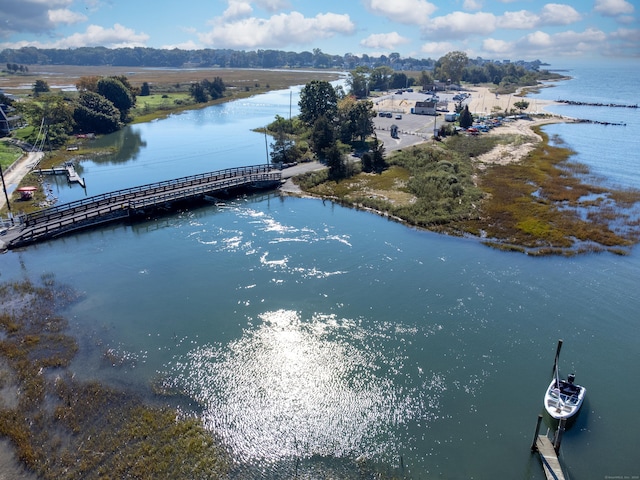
point(63, 428)
point(543, 205)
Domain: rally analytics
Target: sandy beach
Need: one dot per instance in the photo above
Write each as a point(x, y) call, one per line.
point(483, 100)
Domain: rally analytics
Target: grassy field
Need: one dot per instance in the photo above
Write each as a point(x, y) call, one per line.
point(8, 154)
point(163, 80)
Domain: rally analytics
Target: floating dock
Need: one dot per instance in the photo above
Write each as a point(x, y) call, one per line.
point(68, 170)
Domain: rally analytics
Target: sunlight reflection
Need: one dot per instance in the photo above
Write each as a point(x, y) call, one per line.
point(295, 388)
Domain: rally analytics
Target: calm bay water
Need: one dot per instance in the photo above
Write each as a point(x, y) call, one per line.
point(308, 331)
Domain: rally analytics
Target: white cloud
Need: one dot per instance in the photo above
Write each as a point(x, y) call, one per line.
point(458, 24)
point(632, 35)
point(277, 31)
point(410, 12)
point(562, 44)
point(612, 8)
point(387, 41)
point(495, 46)
point(116, 37)
point(559, 14)
point(520, 20)
point(65, 16)
point(237, 10)
point(94, 36)
point(438, 49)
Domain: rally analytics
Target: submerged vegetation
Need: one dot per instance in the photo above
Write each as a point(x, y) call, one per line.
point(63, 428)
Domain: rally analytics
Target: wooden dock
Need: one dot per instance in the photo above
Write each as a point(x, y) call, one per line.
point(68, 170)
point(548, 451)
point(550, 463)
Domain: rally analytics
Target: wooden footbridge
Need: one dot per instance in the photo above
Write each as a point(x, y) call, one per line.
point(134, 202)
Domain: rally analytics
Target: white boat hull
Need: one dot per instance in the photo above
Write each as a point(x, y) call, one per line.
point(563, 402)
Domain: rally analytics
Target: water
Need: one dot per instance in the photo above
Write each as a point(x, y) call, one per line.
point(610, 151)
point(309, 331)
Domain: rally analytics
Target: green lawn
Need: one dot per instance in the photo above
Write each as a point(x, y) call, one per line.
point(8, 154)
point(160, 101)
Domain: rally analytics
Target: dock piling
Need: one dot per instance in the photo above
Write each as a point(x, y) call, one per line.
point(558, 436)
point(548, 452)
point(535, 436)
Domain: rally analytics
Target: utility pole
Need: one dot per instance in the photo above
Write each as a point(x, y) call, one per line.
point(4, 187)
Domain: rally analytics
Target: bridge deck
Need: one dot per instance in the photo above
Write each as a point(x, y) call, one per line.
point(60, 219)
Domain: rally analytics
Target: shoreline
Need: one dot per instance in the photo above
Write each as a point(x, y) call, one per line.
point(481, 100)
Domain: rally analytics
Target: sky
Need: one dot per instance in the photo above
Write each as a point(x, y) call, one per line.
point(491, 29)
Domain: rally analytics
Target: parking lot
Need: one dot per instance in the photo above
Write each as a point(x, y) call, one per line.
point(412, 129)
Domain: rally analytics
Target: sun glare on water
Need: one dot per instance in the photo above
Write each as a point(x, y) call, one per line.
point(294, 388)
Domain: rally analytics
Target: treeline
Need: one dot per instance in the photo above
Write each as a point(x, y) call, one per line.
point(15, 68)
point(225, 58)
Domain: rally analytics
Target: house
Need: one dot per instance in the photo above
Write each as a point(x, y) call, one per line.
point(8, 122)
point(426, 108)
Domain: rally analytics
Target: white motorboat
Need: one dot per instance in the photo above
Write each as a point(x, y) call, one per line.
point(563, 398)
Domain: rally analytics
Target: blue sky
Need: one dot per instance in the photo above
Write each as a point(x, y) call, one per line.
point(492, 29)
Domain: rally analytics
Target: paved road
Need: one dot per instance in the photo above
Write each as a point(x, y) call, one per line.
point(13, 177)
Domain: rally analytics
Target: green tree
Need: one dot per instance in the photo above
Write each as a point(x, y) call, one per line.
point(374, 161)
point(216, 88)
point(55, 112)
point(466, 119)
point(40, 86)
point(425, 79)
point(358, 84)
point(399, 80)
point(335, 161)
point(355, 119)
point(380, 78)
point(451, 66)
point(94, 113)
point(283, 149)
point(322, 136)
point(379, 162)
point(117, 93)
point(317, 99)
point(521, 105)
point(198, 92)
point(361, 117)
point(145, 90)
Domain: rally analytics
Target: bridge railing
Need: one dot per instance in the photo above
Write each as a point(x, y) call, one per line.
point(117, 196)
point(198, 190)
point(97, 212)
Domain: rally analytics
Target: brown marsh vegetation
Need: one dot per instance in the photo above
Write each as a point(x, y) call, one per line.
point(63, 428)
point(541, 205)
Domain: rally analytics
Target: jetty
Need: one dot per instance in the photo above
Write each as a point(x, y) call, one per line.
point(134, 203)
point(68, 170)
